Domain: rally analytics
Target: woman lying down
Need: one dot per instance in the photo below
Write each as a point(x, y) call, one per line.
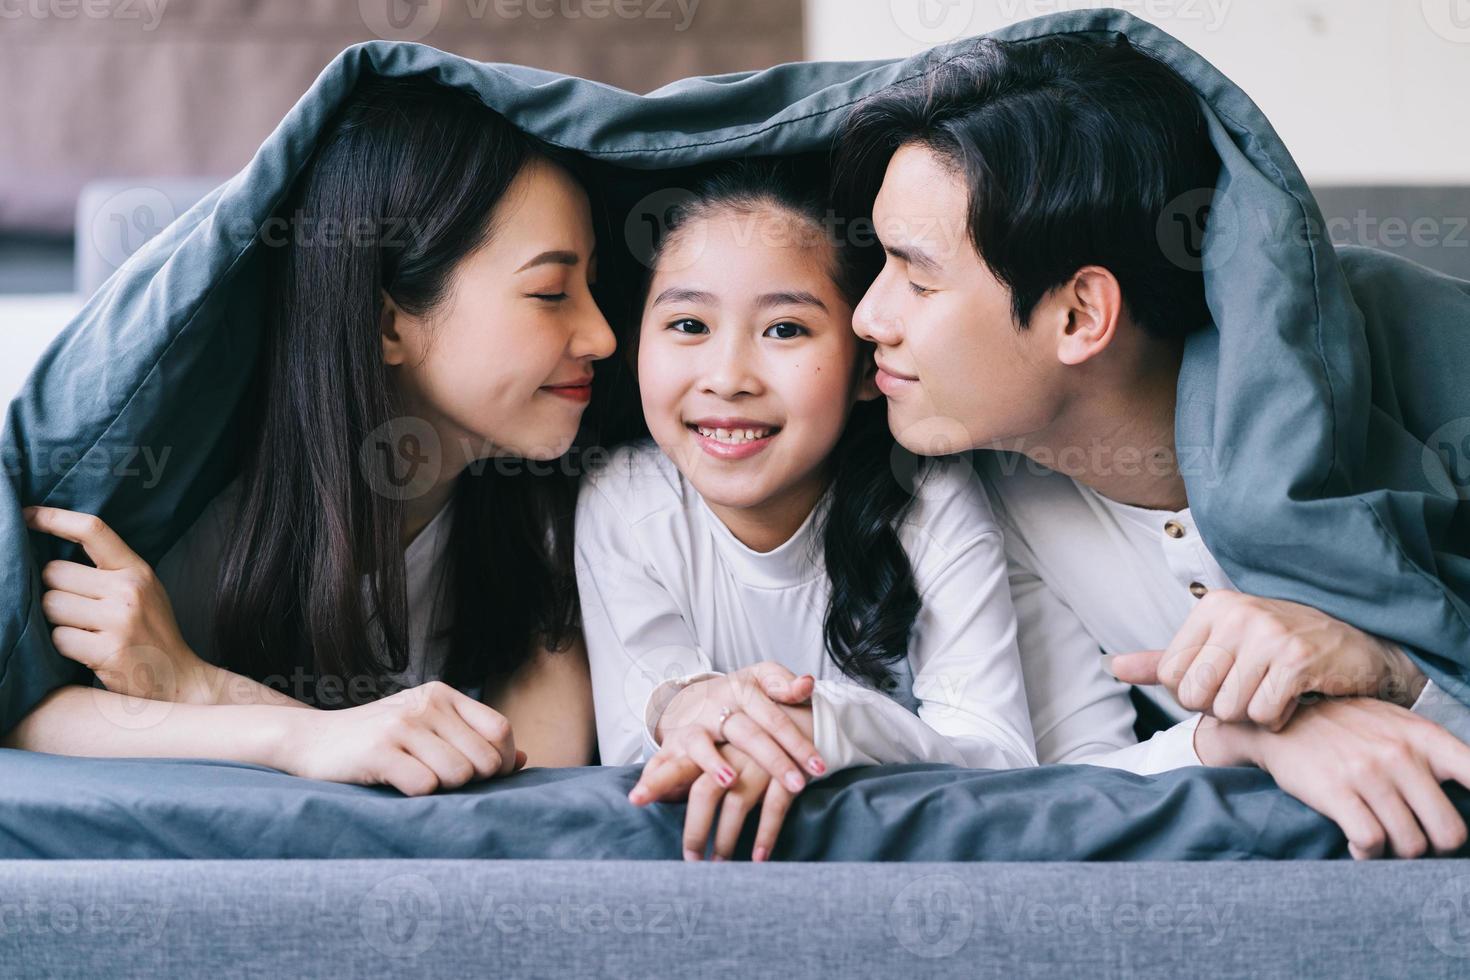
point(763, 600)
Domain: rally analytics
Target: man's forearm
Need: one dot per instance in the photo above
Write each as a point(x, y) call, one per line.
point(86, 721)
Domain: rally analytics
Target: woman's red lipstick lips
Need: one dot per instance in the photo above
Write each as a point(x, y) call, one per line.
point(576, 391)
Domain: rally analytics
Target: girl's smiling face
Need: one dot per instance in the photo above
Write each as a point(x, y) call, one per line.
point(748, 365)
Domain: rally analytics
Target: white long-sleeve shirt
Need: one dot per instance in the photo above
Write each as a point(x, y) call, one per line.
point(668, 592)
point(1090, 576)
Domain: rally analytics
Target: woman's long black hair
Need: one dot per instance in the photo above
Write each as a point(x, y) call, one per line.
point(400, 189)
point(874, 600)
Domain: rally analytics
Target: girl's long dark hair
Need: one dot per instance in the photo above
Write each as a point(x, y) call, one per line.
point(400, 189)
point(874, 600)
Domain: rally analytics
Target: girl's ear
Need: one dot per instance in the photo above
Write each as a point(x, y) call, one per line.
point(395, 351)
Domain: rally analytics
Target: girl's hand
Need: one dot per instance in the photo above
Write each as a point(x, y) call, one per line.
point(427, 738)
point(750, 787)
point(115, 619)
point(776, 735)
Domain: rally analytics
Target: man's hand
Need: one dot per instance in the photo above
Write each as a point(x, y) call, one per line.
point(1240, 657)
point(1371, 767)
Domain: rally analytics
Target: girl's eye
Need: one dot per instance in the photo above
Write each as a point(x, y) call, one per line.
point(549, 297)
point(694, 327)
point(919, 290)
point(786, 331)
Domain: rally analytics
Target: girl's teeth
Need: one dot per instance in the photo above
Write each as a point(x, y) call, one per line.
point(733, 435)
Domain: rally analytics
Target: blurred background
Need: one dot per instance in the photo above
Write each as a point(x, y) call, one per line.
point(122, 113)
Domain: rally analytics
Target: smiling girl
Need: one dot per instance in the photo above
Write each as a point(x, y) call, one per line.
point(385, 549)
point(763, 533)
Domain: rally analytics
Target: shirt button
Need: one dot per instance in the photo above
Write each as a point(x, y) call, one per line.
point(1174, 529)
point(1197, 590)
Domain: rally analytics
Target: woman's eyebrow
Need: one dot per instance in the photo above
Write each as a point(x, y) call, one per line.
point(553, 257)
point(798, 297)
point(681, 294)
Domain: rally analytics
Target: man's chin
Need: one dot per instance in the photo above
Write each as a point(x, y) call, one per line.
point(930, 435)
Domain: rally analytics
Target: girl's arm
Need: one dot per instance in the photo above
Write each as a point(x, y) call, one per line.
point(548, 703)
point(967, 678)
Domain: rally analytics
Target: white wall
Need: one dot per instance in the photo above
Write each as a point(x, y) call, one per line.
point(1362, 91)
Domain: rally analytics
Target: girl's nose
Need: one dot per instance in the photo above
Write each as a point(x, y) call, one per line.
point(732, 371)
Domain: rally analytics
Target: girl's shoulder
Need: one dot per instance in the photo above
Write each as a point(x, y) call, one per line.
point(950, 509)
point(632, 481)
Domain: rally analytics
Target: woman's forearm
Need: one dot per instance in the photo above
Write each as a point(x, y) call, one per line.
point(85, 721)
point(216, 686)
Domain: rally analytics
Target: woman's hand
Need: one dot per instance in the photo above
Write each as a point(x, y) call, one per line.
point(768, 720)
point(1371, 767)
point(115, 619)
point(427, 738)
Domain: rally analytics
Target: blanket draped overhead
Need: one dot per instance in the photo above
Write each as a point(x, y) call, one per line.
point(1323, 425)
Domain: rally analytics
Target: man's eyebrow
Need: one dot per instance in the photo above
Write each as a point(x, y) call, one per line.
point(913, 256)
point(798, 297)
point(681, 294)
point(553, 257)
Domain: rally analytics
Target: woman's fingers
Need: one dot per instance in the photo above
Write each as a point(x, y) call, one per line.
point(669, 775)
point(84, 646)
point(704, 797)
point(773, 814)
point(408, 775)
point(491, 725)
point(703, 752)
point(481, 752)
point(448, 764)
point(780, 684)
point(71, 576)
point(742, 732)
point(70, 609)
point(101, 542)
point(1364, 833)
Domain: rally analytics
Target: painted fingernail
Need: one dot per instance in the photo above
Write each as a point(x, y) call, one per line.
point(794, 782)
point(637, 796)
point(759, 854)
point(816, 765)
point(690, 855)
point(727, 776)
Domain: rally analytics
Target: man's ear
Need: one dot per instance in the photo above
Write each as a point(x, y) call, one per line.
point(1084, 312)
point(395, 351)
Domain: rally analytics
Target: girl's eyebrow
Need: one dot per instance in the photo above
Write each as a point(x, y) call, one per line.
point(798, 298)
point(681, 294)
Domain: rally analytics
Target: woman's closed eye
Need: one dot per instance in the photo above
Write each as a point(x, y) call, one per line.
point(548, 297)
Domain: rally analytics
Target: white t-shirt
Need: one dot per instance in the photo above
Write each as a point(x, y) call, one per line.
point(190, 572)
point(668, 591)
point(1090, 576)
